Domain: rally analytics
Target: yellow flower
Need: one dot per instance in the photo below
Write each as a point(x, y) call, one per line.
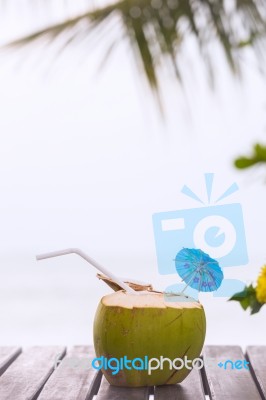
point(261, 286)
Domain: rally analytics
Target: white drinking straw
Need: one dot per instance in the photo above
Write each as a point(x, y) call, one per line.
point(90, 261)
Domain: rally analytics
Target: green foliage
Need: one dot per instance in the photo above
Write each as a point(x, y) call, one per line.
point(258, 157)
point(157, 30)
point(247, 299)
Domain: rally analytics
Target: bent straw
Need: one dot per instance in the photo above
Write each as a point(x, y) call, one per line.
point(90, 261)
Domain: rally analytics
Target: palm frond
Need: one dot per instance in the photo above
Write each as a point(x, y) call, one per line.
point(156, 29)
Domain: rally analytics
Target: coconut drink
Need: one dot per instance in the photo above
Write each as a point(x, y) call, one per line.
point(143, 326)
point(144, 337)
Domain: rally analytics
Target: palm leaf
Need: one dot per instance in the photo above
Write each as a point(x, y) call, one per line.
point(156, 29)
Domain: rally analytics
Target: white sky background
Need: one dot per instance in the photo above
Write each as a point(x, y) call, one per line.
point(85, 160)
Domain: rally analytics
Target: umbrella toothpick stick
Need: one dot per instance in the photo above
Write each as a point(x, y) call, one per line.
point(193, 274)
point(90, 261)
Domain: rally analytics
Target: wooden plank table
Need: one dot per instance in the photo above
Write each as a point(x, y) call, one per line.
point(58, 373)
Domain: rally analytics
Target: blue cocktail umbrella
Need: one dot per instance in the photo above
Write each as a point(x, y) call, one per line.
point(198, 270)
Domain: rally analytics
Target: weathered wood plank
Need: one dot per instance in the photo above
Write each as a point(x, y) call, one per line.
point(190, 389)
point(7, 356)
point(108, 392)
point(26, 376)
point(257, 358)
point(74, 378)
point(223, 382)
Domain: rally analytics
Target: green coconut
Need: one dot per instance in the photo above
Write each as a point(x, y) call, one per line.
point(148, 324)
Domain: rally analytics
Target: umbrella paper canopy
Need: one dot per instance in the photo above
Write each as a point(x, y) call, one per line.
point(198, 270)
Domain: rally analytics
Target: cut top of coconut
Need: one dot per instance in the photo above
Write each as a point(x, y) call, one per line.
point(149, 300)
